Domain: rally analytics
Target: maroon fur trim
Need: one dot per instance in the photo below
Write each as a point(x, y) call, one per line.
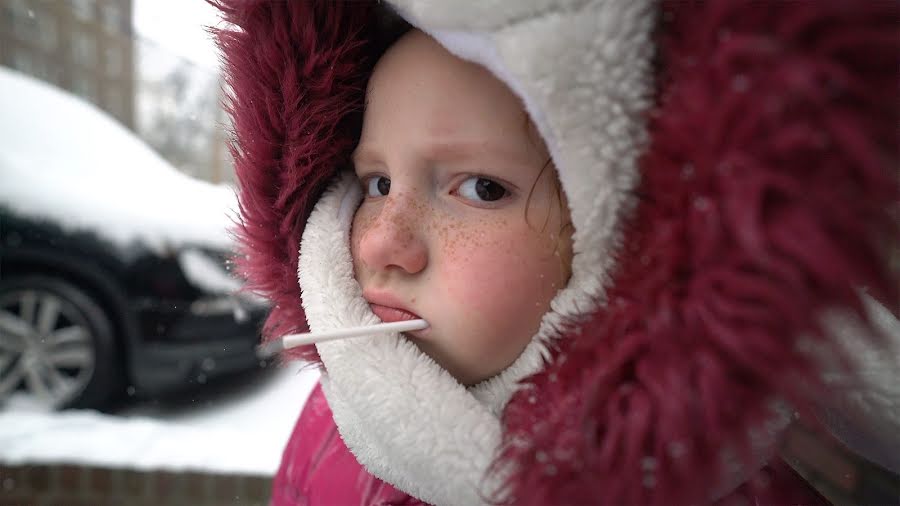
point(297, 72)
point(764, 200)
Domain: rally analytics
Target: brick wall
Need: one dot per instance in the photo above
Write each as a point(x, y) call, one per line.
point(70, 485)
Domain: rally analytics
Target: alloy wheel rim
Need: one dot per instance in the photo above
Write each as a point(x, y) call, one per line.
point(46, 347)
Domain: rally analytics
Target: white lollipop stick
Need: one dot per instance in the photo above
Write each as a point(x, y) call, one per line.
point(294, 340)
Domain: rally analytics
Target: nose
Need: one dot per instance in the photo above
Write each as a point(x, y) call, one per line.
point(394, 238)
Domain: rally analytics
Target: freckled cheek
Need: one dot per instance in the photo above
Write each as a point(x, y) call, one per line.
point(503, 279)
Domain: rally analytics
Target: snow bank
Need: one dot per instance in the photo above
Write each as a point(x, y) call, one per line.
point(63, 159)
point(245, 435)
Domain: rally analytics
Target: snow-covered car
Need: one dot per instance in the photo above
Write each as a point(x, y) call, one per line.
point(113, 274)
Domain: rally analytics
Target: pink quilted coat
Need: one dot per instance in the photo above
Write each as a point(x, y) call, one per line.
point(318, 470)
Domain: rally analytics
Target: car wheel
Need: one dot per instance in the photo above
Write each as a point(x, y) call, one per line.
point(56, 344)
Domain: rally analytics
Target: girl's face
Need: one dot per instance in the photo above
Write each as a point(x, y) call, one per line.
point(449, 166)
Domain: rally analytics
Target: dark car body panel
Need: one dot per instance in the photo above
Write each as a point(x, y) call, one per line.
point(164, 345)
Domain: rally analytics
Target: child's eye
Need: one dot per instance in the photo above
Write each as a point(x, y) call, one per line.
point(481, 189)
point(378, 186)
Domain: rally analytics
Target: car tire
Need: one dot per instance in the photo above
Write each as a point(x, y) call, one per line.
point(67, 355)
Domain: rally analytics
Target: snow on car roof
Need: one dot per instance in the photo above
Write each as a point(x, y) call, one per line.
point(63, 159)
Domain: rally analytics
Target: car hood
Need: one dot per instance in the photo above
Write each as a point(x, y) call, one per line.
point(64, 160)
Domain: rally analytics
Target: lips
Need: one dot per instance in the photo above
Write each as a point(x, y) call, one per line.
point(391, 314)
point(388, 308)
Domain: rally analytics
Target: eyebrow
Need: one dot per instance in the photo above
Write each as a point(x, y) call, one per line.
point(365, 153)
point(440, 150)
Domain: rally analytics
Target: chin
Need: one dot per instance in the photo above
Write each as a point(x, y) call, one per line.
point(428, 349)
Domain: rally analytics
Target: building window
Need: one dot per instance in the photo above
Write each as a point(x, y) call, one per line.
point(83, 85)
point(83, 9)
point(84, 49)
point(52, 73)
point(9, 17)
point(35, 65)
point(113, 61)
point(24, 28)
point(112, 16)
point(115, 102)
point(46, 32)
point(39, 68)
point(24, 20)
point(23, 61)
point(15, 9)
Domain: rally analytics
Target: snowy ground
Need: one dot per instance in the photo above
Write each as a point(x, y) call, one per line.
point(236, 426)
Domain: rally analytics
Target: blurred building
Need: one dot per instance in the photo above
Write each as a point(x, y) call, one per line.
point(178, 112)
point(89, 48)
point(84, 46)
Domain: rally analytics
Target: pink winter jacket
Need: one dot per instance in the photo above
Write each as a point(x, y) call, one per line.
point(317, 469)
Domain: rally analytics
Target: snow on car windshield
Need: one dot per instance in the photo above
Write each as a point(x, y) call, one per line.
point(63, 159)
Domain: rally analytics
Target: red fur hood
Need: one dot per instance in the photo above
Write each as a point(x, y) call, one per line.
point(731, 171)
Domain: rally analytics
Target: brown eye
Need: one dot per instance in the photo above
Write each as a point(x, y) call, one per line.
point(481, 189)
point(378, 186)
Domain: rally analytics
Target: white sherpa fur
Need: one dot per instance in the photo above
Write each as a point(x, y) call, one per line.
point(864, 410)
point(582, 69)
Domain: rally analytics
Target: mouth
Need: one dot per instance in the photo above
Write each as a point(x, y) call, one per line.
point(390, 314)
point(389, 309)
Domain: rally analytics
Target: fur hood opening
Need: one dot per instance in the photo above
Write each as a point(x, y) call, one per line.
point(731, 173)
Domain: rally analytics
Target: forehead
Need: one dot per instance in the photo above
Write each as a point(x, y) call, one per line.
point(420, 88)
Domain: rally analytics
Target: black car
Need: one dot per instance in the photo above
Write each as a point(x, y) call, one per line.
point(82, 319)
point(112, 262)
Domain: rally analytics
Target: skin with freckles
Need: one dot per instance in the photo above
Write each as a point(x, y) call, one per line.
point(448, 168)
